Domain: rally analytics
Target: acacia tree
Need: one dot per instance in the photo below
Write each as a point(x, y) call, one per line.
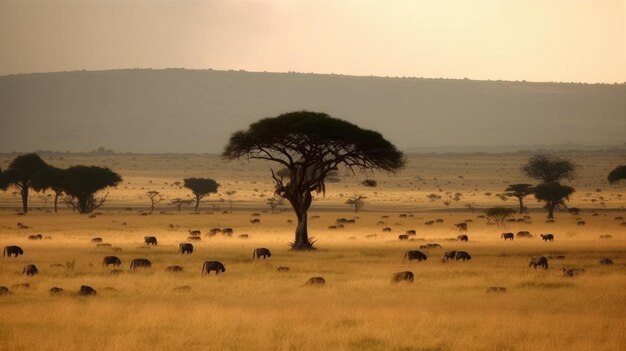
point(83, 182)
point(520, 191)
point(549, 169)
point(50, 178)
point(553, 195)
point(178, 202)
point(20, 174)
point(200, 187)
point(274, 202)
point(155, 197)
point(311, 145)
point(499, 214)
point(357, 201)
point(619, 173)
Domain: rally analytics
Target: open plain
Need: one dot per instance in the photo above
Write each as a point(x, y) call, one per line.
point(253, 306)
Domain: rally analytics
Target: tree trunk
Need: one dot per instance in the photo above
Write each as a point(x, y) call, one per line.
point(24, 192)
point(301, 208)
point(197, 203)
point(550, 211)
point(521, 205)
point(56, 201)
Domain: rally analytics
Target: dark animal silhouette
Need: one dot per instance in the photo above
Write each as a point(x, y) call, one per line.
point(316, 281)
point(243, 236)
point(185, 248)
point(150, 240)
point(462, 255)
point(415, 255)
point(606, 236)
point(194, 232)
point(386, 229)
point(449, 255)
point(214, 231)
point(216, 266)
point(86, 290)
point(227, 231)
point(405, 276)
point(12, 250)
point(572, 272)
point(56, 291)
point(524, 234)
point(461, 226)
point(581, 223)
point(174, 268)
point(140, 263)
point(430, 246)
point(547, 237)
point(403, 237)
point(35, 237)
point(4, 290)
point(96, 240)
point(255, 221)
point(462, 237)
point(411, 232)
point(30, 269)
point(114, 260)
point(496, 289)
point(282, 269)
point(538, 261)
point(261, 252)
point(507, 236)
point(606, 261)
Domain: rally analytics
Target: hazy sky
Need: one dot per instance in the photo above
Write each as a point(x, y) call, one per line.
point(538, 40)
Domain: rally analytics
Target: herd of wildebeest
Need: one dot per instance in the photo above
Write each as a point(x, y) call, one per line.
point(187, 248)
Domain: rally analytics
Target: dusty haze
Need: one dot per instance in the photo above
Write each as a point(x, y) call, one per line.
point(196, 110)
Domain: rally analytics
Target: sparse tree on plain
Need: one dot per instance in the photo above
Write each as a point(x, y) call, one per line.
point(499, 214)
point(357, 201)
point(274, 202)
point(520, 191)
point(50, 178)
point(83, 182)
point(155, 197)
point(553, 195)
point(178, 202)
point(619, 173)
point(201, 187)
point(311, 145)
point(20, 174)
point(549, 169)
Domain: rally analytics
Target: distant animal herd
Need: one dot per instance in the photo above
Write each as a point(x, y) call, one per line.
point(187, 248)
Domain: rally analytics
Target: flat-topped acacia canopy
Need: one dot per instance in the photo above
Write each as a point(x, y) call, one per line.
point(310, 145)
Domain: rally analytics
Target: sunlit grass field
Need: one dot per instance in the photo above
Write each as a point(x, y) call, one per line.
point(252, 306)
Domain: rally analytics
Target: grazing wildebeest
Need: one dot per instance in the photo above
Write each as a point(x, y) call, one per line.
point(332, 227)
point(547, 237)
point(606, 261)
point(461, 226)
point(316, 281)
point(22, 225)
point(140, 263)
point(403, 237)
point(524, 234)
point(282, 269)
point(56, 291)
point(35, 237)
point(430, 246)
point(411, 232)
point(462, 255)
point(386, 229)
point(227, 231)
point(507, 236)
point(12, 250)
point(30, 269)
point(496, 289)
point(243, 236)
point(439, 220)
point(194, 232)
point(449, 255)
point(462, 237)
point(261, 252)
point(405, 276)
point(174, 268)
point(96, 240)
point(606, 236)
point(150, 240)
point(581, 223)
point(114, 260)
point(86, 290)
point(216, 266)
point(429, 222)
point(538, 261)
point(571, 272)
point(414, 255)
point(255, 221)
point(185, 248)
point(4, 290)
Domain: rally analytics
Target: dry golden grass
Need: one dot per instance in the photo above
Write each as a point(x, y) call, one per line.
point(252, 306)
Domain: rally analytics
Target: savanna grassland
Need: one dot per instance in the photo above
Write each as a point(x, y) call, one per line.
point(253, 306)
